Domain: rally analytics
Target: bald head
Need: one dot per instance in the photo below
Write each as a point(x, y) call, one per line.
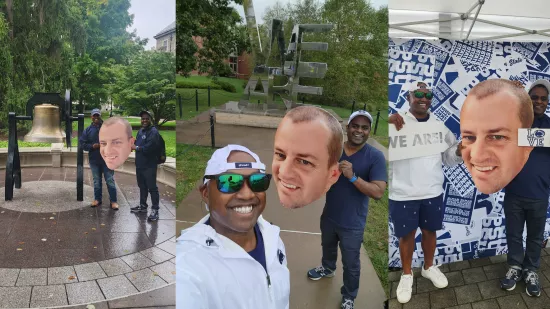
point(306, 114)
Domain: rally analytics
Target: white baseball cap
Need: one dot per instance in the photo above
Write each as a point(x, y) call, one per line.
point(542, 82)
point(413, 85)
point(218, 162)
point(360, 113)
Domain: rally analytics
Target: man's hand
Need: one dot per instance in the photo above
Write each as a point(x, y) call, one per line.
point(346, 168)
point(133, 147)
point(95, 146)
point(397, 120)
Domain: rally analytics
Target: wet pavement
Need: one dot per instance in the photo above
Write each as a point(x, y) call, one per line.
point(56, 251)
point(300, 227)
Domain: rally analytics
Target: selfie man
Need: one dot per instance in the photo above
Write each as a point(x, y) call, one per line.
point(147, 146)
point(232, 258)
point(416, 193)
point(344, 217)
point(116, 140)
point(489, 121)
point(90, 141)
point(308, 143)
point(526, 201)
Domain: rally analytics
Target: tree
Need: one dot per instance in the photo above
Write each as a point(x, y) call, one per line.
point(218, 25)
point(148, 83)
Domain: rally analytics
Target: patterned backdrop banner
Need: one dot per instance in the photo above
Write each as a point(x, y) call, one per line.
point(473, 223)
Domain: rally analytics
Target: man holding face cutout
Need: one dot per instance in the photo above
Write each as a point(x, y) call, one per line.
point(91, 142)
point(416, 194)
point(147, 150)
point(233, 257)
point(526, 202)
point(308, 144)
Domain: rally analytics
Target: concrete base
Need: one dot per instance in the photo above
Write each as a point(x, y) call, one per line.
point(66, 157)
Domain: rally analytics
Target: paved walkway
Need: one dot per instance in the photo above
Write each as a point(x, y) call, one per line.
point(55, 251)
point(300, 227)
point(473, 284)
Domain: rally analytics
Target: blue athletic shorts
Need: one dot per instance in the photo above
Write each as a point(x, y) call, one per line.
point(410, 215)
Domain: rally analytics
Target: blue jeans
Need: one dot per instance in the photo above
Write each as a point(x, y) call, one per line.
point(147, 183)
point(518, 211)
point(97, 171)
point(350, 245)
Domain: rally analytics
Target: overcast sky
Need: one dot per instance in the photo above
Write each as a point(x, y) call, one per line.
point(150, 17)
point(261, 5)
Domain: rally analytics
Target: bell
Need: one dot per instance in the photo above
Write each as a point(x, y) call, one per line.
point(46, 125)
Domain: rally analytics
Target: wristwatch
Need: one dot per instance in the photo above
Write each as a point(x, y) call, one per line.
point(353, 179)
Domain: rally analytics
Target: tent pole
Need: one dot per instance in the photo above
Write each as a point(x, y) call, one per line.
point(473, 22)
point(467, 14)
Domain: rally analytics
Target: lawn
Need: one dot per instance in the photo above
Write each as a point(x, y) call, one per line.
point(375, 238)
point(168, 136)
point(190, 170)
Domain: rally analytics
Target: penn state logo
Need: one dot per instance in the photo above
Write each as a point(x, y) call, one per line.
point(535, 137)
point(143, 137)
point(243, 165)
point(281, 256)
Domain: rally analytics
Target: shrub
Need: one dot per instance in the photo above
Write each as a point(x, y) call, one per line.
point(196, 85)
point(224, 85)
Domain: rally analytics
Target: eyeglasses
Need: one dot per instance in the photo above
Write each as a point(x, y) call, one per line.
point(232, 183)
point(420, 95)
point(536, 97)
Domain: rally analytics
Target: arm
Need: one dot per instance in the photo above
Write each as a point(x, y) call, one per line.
point(189, 294)
point(378, 177)
point(451, 156)
point(83, 140)
point(150, 143)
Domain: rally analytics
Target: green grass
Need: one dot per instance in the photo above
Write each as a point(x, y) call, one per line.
point(375, 238)
point(190, 168)
point(168, 136)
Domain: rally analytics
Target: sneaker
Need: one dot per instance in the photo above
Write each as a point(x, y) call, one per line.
point(532, 284)
point(347, 303)
point(404, 289)
point(320, 272)
point(513, 276)
point(95, 203)
point(154, 216)
point(436, 276)
point(139, 208)
point(114, 206)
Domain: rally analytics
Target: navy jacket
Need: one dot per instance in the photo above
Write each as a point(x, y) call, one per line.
point(534, 179)
point(89, 137)
point(147, 141)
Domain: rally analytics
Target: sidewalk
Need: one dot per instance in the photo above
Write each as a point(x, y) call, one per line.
point(474, 284)
point(300, 227)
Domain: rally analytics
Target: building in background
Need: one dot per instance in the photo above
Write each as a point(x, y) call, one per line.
point(239, 64)
point(166, 39)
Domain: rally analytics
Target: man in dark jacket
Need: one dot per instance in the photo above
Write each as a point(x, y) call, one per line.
point(90, 142)
point(147, 150)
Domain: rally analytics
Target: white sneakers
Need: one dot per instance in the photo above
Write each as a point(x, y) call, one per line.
point(404, 289)
point(436, 276)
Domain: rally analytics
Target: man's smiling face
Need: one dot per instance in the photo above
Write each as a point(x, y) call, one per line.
point(489, 129)
point(300, 162)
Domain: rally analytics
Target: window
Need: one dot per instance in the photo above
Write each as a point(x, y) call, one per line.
point(233, 61)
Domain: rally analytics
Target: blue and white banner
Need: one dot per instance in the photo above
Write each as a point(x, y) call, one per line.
point(473, 223)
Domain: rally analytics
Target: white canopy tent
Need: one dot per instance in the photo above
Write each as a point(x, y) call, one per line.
point(510, 20)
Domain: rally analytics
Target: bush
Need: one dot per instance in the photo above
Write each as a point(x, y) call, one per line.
point(224, 85)
point(245, 82)
point(196, 85)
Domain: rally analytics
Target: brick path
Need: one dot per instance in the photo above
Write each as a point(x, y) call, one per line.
point(473, 284)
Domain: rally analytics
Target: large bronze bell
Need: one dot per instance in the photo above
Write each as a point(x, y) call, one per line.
point(46, 125)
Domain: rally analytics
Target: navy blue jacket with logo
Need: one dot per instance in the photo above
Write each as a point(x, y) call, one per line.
point(89, 137)
point(147, 141)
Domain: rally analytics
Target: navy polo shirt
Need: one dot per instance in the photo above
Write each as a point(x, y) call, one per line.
point(259, 252)
point(345, 205)
point(534, 179)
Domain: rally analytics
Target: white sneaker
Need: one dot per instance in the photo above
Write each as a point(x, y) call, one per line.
point(436, 276)
point(405, 288)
